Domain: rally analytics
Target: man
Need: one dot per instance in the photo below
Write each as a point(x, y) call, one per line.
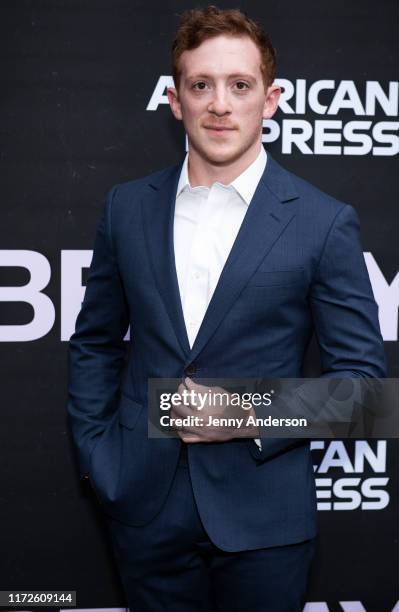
point(223, 266)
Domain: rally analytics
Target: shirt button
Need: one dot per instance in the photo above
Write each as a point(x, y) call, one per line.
point(197, 275)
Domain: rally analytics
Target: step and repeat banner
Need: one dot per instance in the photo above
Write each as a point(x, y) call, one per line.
point(83, 107)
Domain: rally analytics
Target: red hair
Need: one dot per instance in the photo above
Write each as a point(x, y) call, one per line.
point(198, 25)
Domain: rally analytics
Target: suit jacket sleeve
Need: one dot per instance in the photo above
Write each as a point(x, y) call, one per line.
point(345, 316)
point(97, 348)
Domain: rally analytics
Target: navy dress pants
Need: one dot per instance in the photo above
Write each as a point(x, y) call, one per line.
point(172, 565)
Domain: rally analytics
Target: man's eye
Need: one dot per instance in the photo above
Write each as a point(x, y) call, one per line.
point(200, 85)
point(241, 85)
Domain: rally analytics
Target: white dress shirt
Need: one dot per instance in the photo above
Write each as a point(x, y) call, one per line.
point(206, 223)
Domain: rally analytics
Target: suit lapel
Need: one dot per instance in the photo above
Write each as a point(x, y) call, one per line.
point(265, 219)
point(158, 206)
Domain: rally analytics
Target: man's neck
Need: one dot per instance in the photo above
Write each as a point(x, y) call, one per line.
point(204, 173)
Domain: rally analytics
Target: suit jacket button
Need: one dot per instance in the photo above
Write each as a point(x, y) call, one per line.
point(191, 369)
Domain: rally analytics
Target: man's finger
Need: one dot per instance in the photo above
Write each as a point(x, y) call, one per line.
point(191, 385)
point(190, 438)
point(181, 388)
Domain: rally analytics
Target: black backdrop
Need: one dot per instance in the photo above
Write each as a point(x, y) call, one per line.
point(77, 77)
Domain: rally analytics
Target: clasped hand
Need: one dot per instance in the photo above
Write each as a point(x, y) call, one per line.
point(213, 407)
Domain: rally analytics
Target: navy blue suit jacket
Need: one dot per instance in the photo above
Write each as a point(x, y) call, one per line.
point(296, 268)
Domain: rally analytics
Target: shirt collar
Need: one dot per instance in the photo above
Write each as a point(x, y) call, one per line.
point(245, 184)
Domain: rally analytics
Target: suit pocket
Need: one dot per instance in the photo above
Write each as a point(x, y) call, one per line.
point(128, 411)
point(274, 278)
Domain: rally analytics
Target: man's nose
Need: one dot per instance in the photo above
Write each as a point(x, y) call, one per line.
point(220, 103)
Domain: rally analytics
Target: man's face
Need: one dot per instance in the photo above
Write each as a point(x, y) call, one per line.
point(222, 99)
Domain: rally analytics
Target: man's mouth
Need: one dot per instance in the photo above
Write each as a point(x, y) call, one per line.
point(219, 128)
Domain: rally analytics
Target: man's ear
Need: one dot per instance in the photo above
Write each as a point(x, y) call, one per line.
point(271, 102)
point(174, 103)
